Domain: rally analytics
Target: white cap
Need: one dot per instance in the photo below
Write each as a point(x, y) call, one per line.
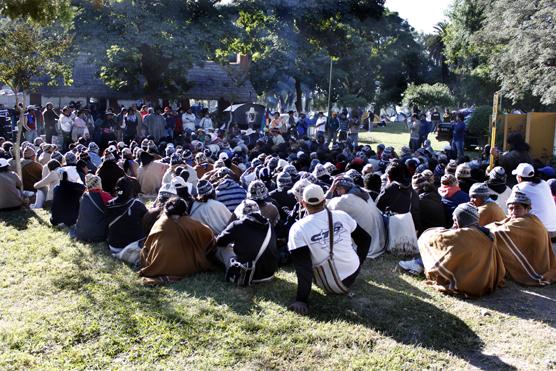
point(524, 170)
point(4, 162)
point(313, 194)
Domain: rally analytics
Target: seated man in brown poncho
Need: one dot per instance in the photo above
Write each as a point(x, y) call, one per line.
point(461, 260)
point(489, 211)
point(524, 244)
point(177, 246)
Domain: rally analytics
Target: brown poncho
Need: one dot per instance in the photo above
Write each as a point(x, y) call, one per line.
point(490, 213)
point(461, 261)
point(526, 250)
point(175, 249)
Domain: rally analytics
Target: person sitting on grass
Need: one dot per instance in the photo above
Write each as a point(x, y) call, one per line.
point(489, 211)
point(452, 195)
point(10, 184)
point(65, 201)
point(176, 247)
point(45, 186)
point(248, 241)
point(312, 241)
point(125, 215)
point(92, 222)
point(500, 191)
point(460, 260)
point(524, 245)
point(207, 210)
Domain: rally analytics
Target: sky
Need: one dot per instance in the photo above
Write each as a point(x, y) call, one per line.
point(421, 14)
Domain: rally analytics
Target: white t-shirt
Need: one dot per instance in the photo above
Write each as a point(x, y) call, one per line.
point(312, 231)
point(321, 124)
point(542, 203)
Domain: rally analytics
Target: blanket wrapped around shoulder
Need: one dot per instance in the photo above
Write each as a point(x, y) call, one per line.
point(526, 250)
point(461, 261)
point(175, 249)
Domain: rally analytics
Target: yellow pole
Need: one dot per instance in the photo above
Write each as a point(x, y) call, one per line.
point(495, 104)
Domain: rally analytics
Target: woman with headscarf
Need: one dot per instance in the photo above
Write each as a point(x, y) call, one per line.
point(65, 201)
point(92, 222)
point(245, 239)
point(45, 186)
point(125, 215)
point(208, 210)
point(176, 247)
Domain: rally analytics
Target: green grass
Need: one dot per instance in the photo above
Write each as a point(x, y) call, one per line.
point(69, 305)
point(397, 135)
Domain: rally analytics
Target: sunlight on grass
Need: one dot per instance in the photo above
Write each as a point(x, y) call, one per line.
point(70, 305)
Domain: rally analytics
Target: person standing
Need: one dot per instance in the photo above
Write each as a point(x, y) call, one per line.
point(458, 135)
point(414, 132)
point(65, 123)
point(50, 118)
point(332, 127)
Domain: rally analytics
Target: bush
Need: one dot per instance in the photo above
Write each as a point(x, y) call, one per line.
point(427, 96)
point(479, 122)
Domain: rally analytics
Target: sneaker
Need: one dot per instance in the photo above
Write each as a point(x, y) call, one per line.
point(412, 267)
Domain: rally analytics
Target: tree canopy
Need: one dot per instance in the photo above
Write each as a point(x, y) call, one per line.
point(428, 96)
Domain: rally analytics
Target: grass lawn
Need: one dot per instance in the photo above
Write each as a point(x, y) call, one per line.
point(70, 305)
point(397, 135)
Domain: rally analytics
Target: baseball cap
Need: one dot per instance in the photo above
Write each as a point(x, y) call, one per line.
point(524, 170)
point(313, 194)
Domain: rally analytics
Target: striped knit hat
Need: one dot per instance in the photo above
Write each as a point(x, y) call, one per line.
point(246, 207)
point(466, 215)
point(518, 197)
point(204, 187)
point(429, 175)
point(449, 180)
point(257, 191)
point(480, 190)
point(93, 181)
point(451, 167)
point(418, 181)
point(284, 180)
point(463, 171)
point(320, 171)
point(497, 175)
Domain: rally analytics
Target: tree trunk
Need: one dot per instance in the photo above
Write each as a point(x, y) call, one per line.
point(298, 95)
point(17, 144)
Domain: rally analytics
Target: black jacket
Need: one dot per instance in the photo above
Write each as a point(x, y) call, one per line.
point(247, 235)
point(397, 198)
point(432, 211)
point(92, 223)
point(65, 203)
point(125, 222)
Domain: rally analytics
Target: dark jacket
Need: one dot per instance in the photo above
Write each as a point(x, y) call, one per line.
point(92, 222)
point(400, 198)
point(125, 222)
point(109, 172)
point(450, 204)
point(65, 203)
point(432, 211)
point(247, 235)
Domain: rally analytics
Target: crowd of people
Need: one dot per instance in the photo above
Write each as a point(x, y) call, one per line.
point(250, 201)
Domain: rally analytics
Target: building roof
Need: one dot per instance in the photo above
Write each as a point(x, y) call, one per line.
point(211, 81)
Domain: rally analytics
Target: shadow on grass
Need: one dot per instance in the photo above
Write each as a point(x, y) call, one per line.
point(20, 219)
point(530, 303)
point(396, 310)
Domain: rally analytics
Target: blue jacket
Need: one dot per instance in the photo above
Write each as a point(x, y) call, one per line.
point(459, 131)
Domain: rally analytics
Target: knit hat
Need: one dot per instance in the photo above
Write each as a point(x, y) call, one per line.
point(310, 177)
point(552, 184)
point(201, 158)
point(429, 176)
point(463, 171)
point(451, 167)
point(466, 215)
point(109, 156)
point(167, 189)
point(353, 174)
point(418, 181)
point(170, 149)
point(257, 191)
point(70, 159)
point(56, 156)
point(204, 187)
point(518, 197)
point(330, 167)
point(93, 181)
point(28, 152)
point(246, 207)
point(265, 174)
point(368, 169)
point(449, 180)
point(282, 163)
point(290, 169)
point(345, 182)
point(283, 180)
point(320, 171)
point(480, 190)
point(256, 162)
point(187, 155)
point(298, 187)
point(219, 164)
point(224, 171)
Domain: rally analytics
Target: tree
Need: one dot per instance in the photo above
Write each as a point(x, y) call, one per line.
point(28, 53)
point(435, 47)
point(38, 11)
point(147, 47)
point(428, 96)
point(521, 36)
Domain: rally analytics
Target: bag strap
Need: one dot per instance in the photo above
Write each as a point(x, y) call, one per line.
point(330, 231)
point(265, 243)
point(125, 212)
point(94, 203)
